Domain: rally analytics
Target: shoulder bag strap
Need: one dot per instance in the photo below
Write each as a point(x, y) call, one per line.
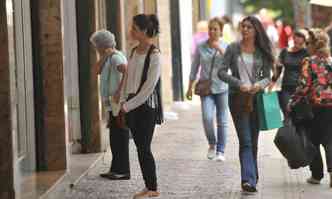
point(146, 67)
point(212, 64)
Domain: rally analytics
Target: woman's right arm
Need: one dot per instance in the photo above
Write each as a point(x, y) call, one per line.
point(278, 66)
point(193, 72)
point(226, 64)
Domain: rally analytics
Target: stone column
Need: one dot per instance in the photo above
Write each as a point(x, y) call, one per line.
point(163, 12)
point(88, 80)
point(6, 146)
point(51, 61)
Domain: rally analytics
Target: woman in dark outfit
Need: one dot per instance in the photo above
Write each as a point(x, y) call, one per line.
point(291, 60)
point(143, 107)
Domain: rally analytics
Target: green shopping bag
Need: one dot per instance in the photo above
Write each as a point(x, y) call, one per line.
point(269, 111)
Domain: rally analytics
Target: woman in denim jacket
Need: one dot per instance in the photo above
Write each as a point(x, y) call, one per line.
point(206, 52)
point(250, 62)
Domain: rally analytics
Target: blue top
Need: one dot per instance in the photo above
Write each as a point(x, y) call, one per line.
point(110, 77)
point(202, 60)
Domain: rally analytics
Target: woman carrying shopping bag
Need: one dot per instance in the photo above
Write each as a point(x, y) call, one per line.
point(213, 92)
point(250, 62)
point(315, 91)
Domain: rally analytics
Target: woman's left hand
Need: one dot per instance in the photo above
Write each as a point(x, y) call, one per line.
point(255, 89)
point(116, 97)
point(122, 109)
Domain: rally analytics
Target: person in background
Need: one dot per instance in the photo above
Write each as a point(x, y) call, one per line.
point(315, 85)
point(143, 106)
point(229, 34)
point(290, 59)
point(283, 38)
point(328, 30)
point(200, 35)
point(250, 62)
point(207, 53)
point(112, 67)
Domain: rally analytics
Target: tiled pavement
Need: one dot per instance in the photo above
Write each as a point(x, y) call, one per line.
point(184, 172)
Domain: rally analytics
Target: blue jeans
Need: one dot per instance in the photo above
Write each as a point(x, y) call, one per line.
point(211, 104)
point(247, 128)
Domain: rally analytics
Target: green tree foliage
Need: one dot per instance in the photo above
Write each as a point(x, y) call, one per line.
point(282, 9)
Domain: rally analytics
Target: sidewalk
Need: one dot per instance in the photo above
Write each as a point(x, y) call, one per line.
point(183, 171)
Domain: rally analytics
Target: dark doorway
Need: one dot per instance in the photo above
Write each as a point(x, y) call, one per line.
point(176, 51)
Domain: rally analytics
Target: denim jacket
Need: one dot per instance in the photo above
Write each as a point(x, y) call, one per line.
point(202, 62)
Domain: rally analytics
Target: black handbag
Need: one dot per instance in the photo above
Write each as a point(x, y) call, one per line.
point(294, 144)
point(302, 112)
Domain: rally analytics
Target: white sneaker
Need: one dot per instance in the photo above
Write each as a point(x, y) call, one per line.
point(211, 153)
point(220, 157)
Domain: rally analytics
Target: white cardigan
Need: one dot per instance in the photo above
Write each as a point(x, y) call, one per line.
point(135, 70)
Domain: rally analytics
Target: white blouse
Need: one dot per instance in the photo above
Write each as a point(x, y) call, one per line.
point(135, 70)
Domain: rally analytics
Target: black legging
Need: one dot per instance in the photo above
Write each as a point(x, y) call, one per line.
point(119, 141)
point(141, 122)
point(320, 132)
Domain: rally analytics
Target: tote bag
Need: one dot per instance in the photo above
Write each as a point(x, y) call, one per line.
point(269, 111)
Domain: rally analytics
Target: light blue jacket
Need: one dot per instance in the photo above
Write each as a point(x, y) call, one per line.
point(110, 77)
point(202, 63)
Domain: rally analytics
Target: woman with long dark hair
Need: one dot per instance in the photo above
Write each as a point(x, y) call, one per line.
point(143, 107)
point(250, 61)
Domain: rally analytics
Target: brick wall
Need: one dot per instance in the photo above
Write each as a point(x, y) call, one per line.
point(6, 153)
point(95, 143)
point(51, 59)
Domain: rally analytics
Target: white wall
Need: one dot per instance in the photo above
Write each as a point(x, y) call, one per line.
point(186, 38)
point(71, 83)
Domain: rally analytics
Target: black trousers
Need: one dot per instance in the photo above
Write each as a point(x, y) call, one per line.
point(141, 122)
point(320, 133)
point(284, 97)
point(119, 141)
